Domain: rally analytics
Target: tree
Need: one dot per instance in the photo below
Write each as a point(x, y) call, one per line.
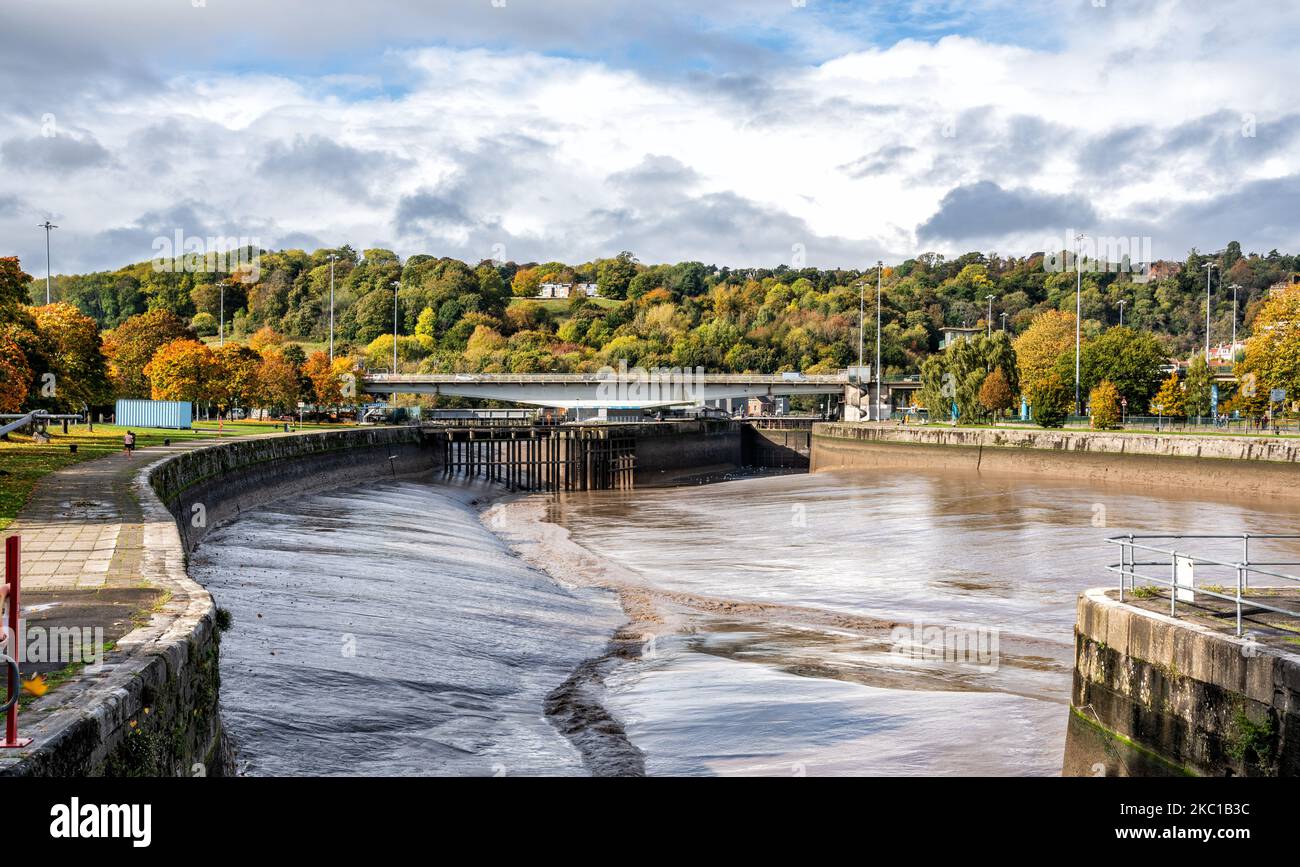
point(1037, 350)
point(13, 284)
point(1051, 400)
point(279, 381)
point(264, 338)
point(1130, 360)
point(132, 345)
point(240, 366)
point(204, 324)
point(1273, 352)
point(185, 369)
point(327, 387)
point(372, 315)
point(995, 393)
point(1169, 399)
point(75, 355)
point(613, 276)
point(527, 283)
point(1104, 402)
point(22, 350)
point(15, 374)
point(1197, 388)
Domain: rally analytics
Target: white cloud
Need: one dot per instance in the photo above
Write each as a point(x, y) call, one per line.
point(1133, 112)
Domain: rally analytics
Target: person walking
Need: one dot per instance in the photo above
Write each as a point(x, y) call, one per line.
point(128, 444)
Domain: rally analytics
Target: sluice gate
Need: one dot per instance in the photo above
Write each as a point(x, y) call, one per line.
point(540, 457)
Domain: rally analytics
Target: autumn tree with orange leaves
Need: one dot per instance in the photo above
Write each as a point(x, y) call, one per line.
point(185, 370)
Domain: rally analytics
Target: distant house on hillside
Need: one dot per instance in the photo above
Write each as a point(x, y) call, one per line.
point(952, 334)
point(566, 290)
point(1284, 284)
point(1162, 270)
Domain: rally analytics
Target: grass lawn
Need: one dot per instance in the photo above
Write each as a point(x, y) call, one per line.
point(308, 346)
point(23, 463)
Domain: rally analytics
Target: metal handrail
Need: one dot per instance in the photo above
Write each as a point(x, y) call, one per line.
point(1244, 568)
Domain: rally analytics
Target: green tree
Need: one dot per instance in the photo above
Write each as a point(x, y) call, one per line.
point(613, 276)
point(1197, 387)
point(1130, 360)
point(1051, 399)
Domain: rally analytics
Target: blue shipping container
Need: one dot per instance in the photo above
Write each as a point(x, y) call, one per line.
point(175, 414)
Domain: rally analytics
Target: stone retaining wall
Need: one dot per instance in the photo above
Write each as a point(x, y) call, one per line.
point(1158, 696)
point(1252, 466)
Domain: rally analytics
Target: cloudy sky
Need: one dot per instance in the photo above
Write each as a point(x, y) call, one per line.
point(741, 132)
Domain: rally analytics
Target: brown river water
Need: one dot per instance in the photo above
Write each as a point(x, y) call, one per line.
point(772, 625)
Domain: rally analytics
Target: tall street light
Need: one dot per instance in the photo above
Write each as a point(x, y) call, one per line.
point(221, 309)
point(862, 315)
point(1004, 320)
point(1234, 287)
point(1122, 302)
point(395, 287)
point(989, 319)
point(332, 257)
point(47, 225)
point(1078, 315)
point(879, 276)
point(1209, 269)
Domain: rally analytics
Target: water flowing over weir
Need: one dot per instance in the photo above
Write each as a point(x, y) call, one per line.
point(384, 630)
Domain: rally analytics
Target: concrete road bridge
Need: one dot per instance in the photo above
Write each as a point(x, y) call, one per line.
point(613, 389)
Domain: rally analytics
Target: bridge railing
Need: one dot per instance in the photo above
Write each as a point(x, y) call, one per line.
point(1178, 570)
point(596, 378)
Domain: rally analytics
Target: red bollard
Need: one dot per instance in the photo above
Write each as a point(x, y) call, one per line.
point(13, 559)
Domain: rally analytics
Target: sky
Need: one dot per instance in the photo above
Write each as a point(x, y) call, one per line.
point(747, 133)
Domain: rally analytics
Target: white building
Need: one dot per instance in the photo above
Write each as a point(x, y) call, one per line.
point(567, 290)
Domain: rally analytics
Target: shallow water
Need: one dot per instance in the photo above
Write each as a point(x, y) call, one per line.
point(385, 631)
point(1000, 557)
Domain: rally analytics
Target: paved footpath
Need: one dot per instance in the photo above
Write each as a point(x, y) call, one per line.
point(82, 547)
point(82, 528)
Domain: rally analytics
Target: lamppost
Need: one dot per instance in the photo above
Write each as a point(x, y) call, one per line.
point(397, 285)
point(221, 313)
point(332, 257)
point(880, 265)
point(1004, 320)
point(862, 319)
point(1122, 302)
point(1078, 315)
point(47, 225)
point(1234, 287)
point(1209, 269)
point(989, 319)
